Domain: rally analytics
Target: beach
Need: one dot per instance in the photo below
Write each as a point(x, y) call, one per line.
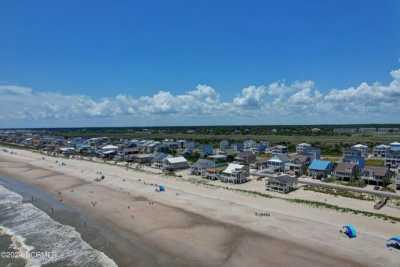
point(191, 224)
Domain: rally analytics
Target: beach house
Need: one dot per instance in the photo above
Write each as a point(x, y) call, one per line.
point(345, 171)
point(377, 175)
point(319, 169)
point(235, 173)
point(201, 166)
point(281, 183)
point(174, 163)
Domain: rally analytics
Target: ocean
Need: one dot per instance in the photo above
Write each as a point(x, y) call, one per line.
point(30, 237)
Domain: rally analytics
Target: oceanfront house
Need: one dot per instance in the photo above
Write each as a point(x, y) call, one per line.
point(175, 163)
point(381, 151)
point(362, 148)
point(279, 149)
point(319, 169)
point(297, 164)
point(144, 159)
point(345, 171)
point(354, 156)
point(235, 173)
point(281, 183)
point(158, 158)
point(66, 151)
point(246, 157)
point(300, 148)
point(376, 175)
point(201, 166)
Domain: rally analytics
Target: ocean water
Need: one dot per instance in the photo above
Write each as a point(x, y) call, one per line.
point(29, 237)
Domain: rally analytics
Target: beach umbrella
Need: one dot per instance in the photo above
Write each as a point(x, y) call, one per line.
point(394, 242)
point(350, 230)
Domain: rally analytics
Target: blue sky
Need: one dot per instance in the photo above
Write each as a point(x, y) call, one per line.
point(94, 53)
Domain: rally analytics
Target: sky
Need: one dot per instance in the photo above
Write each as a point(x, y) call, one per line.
point(159, 63)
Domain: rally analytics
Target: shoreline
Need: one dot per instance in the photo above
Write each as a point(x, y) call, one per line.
point(206, 238)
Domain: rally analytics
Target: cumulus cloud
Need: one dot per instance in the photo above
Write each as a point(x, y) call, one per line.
point(298, 99)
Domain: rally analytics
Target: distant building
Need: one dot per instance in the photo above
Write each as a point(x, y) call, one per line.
point(206, 150)
point(249, 145)
point(237, 147)
point(224, 145)
point(279, 149)
point(362, 148)
point(246, 157)
point(395, 146)
point(354, 156)
point(380, 151)
point(282, 183)
point(392, 159)
point(301, 147)
point(320, 168)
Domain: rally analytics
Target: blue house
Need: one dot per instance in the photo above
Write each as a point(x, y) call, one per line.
point(320, 168)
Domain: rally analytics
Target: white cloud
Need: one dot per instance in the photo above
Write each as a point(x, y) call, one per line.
point(260, 103)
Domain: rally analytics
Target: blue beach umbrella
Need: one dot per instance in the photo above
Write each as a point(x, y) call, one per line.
point(350, 230)
point(394, 242)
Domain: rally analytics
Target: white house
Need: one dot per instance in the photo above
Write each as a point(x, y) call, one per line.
point(235, 173)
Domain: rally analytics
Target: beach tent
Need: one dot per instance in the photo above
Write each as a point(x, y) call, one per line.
point(394, 242)
point(350, 231)
point(160, 188)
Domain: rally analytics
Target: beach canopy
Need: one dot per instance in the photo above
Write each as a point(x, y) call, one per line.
point(350, 230)
point(394, 242)
point(161, 188)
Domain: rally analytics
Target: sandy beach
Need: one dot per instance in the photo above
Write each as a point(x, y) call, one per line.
point(196, 225)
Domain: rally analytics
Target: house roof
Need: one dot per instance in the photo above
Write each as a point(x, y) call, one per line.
point(382, 146)
point(233, 167)
point(108, 147)
point(204, 164)
point(174, 160)
point(284, 178)
point(320, 165)
point(159, 156)
point(376, 170)
point(360, 146)
point(345, 167)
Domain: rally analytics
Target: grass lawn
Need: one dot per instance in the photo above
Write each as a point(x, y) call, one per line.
point(375, 162)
